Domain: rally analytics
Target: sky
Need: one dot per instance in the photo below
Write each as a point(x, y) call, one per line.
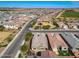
point(40, 4)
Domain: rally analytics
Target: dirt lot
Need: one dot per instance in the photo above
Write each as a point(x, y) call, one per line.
point(4, 35)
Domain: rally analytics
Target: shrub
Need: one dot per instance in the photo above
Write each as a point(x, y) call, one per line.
point(2, 27)
point(24, 48)
point(37, 27)
point(28, 36)
point(20, 55)
point(46, 27)
point(33, 23)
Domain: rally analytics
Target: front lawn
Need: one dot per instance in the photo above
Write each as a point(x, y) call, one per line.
point(64, 53)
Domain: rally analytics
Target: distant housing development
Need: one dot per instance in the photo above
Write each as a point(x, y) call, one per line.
point(15, 22)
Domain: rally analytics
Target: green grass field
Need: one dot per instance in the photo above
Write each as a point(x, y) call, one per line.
point(70, 14)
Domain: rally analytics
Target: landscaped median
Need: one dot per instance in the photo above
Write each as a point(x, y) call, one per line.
point(25, 48)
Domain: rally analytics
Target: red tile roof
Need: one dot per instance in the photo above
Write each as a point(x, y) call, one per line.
point(60, 39)
point(56, 40)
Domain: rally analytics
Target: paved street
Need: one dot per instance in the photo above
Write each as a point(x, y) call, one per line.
point(55, 31)
point(13, 47)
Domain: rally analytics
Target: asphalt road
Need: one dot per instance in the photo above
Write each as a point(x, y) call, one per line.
point(55, 31)
point(12, 49)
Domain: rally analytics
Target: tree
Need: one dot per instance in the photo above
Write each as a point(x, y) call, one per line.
point(33, 23)
point(20, 55)
point(39, 53)
point(2, 27)
point(37, 27)
point(24, 48)
point(28, 36)
point(9, 38)
point(54, 23)
point(46, 27)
